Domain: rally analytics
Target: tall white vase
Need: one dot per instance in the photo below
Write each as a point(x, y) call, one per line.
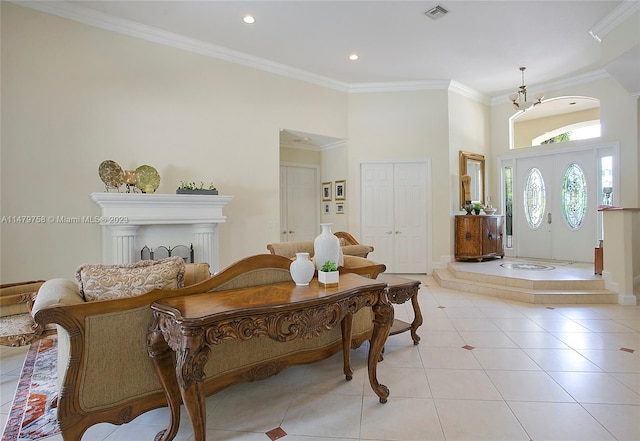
point(326, 246)
point(302, 269)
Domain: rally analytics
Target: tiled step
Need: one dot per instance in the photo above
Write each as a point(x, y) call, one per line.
point(529, 291)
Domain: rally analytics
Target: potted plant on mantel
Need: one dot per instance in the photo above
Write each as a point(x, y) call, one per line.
point(192, 188)
point(328, 275)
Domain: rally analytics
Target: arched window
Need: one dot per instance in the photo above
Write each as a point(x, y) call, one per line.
point(556, 120)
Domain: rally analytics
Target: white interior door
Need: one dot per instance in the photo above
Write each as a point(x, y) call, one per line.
point(410, 225)
point(393, 214)
point(558, 236)
point(299, 203)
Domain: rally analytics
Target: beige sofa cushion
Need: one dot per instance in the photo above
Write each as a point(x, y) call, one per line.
point(105, 282)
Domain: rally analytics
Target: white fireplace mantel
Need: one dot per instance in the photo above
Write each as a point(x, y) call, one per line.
point(131, 221)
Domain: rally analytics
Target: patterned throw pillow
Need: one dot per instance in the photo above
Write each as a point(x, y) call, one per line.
point(105, 282)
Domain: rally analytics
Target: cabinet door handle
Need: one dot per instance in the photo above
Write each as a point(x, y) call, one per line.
point(548, 218)
point(291, 232)
point(389, 232)
point(398, 232)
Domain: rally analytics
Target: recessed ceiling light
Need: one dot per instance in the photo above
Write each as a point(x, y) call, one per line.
point(353, 57)
point(248, 19)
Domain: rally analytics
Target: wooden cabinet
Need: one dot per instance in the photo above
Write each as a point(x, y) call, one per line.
point(478, 237)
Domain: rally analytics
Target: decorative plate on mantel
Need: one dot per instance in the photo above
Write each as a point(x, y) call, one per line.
point(147, 178)
point(111, 174)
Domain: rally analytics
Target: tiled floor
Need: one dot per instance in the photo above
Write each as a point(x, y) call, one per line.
point(485, 369)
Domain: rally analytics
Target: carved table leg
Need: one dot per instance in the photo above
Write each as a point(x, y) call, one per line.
point(346, 326)
point(417, 321)
point(163, 362)
point(383, 318)
point(191, 358)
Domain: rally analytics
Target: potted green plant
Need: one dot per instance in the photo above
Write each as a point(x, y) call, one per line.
point(477, 207)
point(193, 188)
point(328, 275)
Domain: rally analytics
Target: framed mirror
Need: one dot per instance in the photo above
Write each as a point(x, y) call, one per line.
point(472, 164)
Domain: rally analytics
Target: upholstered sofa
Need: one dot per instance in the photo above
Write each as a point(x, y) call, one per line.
point(350, 247)
point(354, 254)
point(104, 371)
point(17, 327)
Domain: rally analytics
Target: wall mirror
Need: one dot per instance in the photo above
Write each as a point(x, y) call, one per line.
point(472, 164)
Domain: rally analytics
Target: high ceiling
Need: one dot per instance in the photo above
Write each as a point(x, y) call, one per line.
point(478, 44)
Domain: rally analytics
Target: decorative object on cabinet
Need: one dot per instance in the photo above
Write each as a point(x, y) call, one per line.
point(192, 188)
point(476, 208)
point(111, 174)
point(489, 210)
point(326, 246)
point(147, 179)
point(326, 191)
point(478, 237)
point(341, 190)
point(302, 269)
point(328, 275)
point(472, 165)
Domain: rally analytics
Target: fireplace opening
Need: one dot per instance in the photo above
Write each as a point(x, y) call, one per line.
point(162, 252)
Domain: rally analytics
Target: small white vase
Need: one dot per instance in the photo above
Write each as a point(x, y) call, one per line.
point(302, 269)
point(326, 246)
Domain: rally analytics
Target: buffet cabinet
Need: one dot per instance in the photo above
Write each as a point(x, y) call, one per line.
point(478, 237)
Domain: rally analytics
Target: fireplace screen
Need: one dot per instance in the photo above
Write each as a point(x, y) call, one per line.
point(186, 252)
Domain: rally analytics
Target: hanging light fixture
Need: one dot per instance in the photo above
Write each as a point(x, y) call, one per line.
point(519, 100)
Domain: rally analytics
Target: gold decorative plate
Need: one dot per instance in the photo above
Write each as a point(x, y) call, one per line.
point(111, 174)
point(148, 179)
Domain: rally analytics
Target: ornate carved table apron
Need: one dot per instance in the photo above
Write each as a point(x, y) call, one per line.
point(192, 326)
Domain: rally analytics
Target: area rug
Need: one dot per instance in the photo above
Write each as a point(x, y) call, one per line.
point(31, 416)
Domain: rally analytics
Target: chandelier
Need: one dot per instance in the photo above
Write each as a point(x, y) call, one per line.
point(519, 100)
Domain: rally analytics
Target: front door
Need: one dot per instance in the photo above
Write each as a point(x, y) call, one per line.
point(555, 206)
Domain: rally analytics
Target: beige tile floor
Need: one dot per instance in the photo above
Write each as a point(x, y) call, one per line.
point(528, 372)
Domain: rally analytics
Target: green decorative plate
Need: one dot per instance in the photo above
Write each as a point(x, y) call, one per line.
point(147, 178)
point(111, 174)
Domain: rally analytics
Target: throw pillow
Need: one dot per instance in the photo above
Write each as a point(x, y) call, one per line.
point(105, 282)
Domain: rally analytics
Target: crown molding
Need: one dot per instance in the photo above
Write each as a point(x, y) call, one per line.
point(614, 19)
point(137, 30)
point(465, 91)
point(133, 29)
point(399, 86)
point(552, 86)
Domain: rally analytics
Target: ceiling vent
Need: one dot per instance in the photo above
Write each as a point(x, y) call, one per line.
point(436, 12)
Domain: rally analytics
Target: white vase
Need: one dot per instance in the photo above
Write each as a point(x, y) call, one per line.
point(302, 269)
point(326, 246)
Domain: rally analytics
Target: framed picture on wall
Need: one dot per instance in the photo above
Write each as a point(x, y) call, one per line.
point(325, 208)
point(326, 191)
point(341, 190)
point(339, 207)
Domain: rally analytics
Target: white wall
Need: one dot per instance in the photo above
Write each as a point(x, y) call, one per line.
point(74, 95)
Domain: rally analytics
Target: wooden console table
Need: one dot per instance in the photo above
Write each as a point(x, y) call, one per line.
point(193, 325)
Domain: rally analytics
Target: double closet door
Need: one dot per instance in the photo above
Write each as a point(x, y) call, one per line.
point(394, 214)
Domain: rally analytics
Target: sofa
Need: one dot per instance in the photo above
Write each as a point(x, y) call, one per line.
point(354, 254)
point(105, 373)
point(17, 327)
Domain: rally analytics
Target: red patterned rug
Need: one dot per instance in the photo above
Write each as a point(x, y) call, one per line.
point(31, 416)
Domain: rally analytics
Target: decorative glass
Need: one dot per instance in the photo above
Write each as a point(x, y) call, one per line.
point(534, 198)
point(574, 196)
